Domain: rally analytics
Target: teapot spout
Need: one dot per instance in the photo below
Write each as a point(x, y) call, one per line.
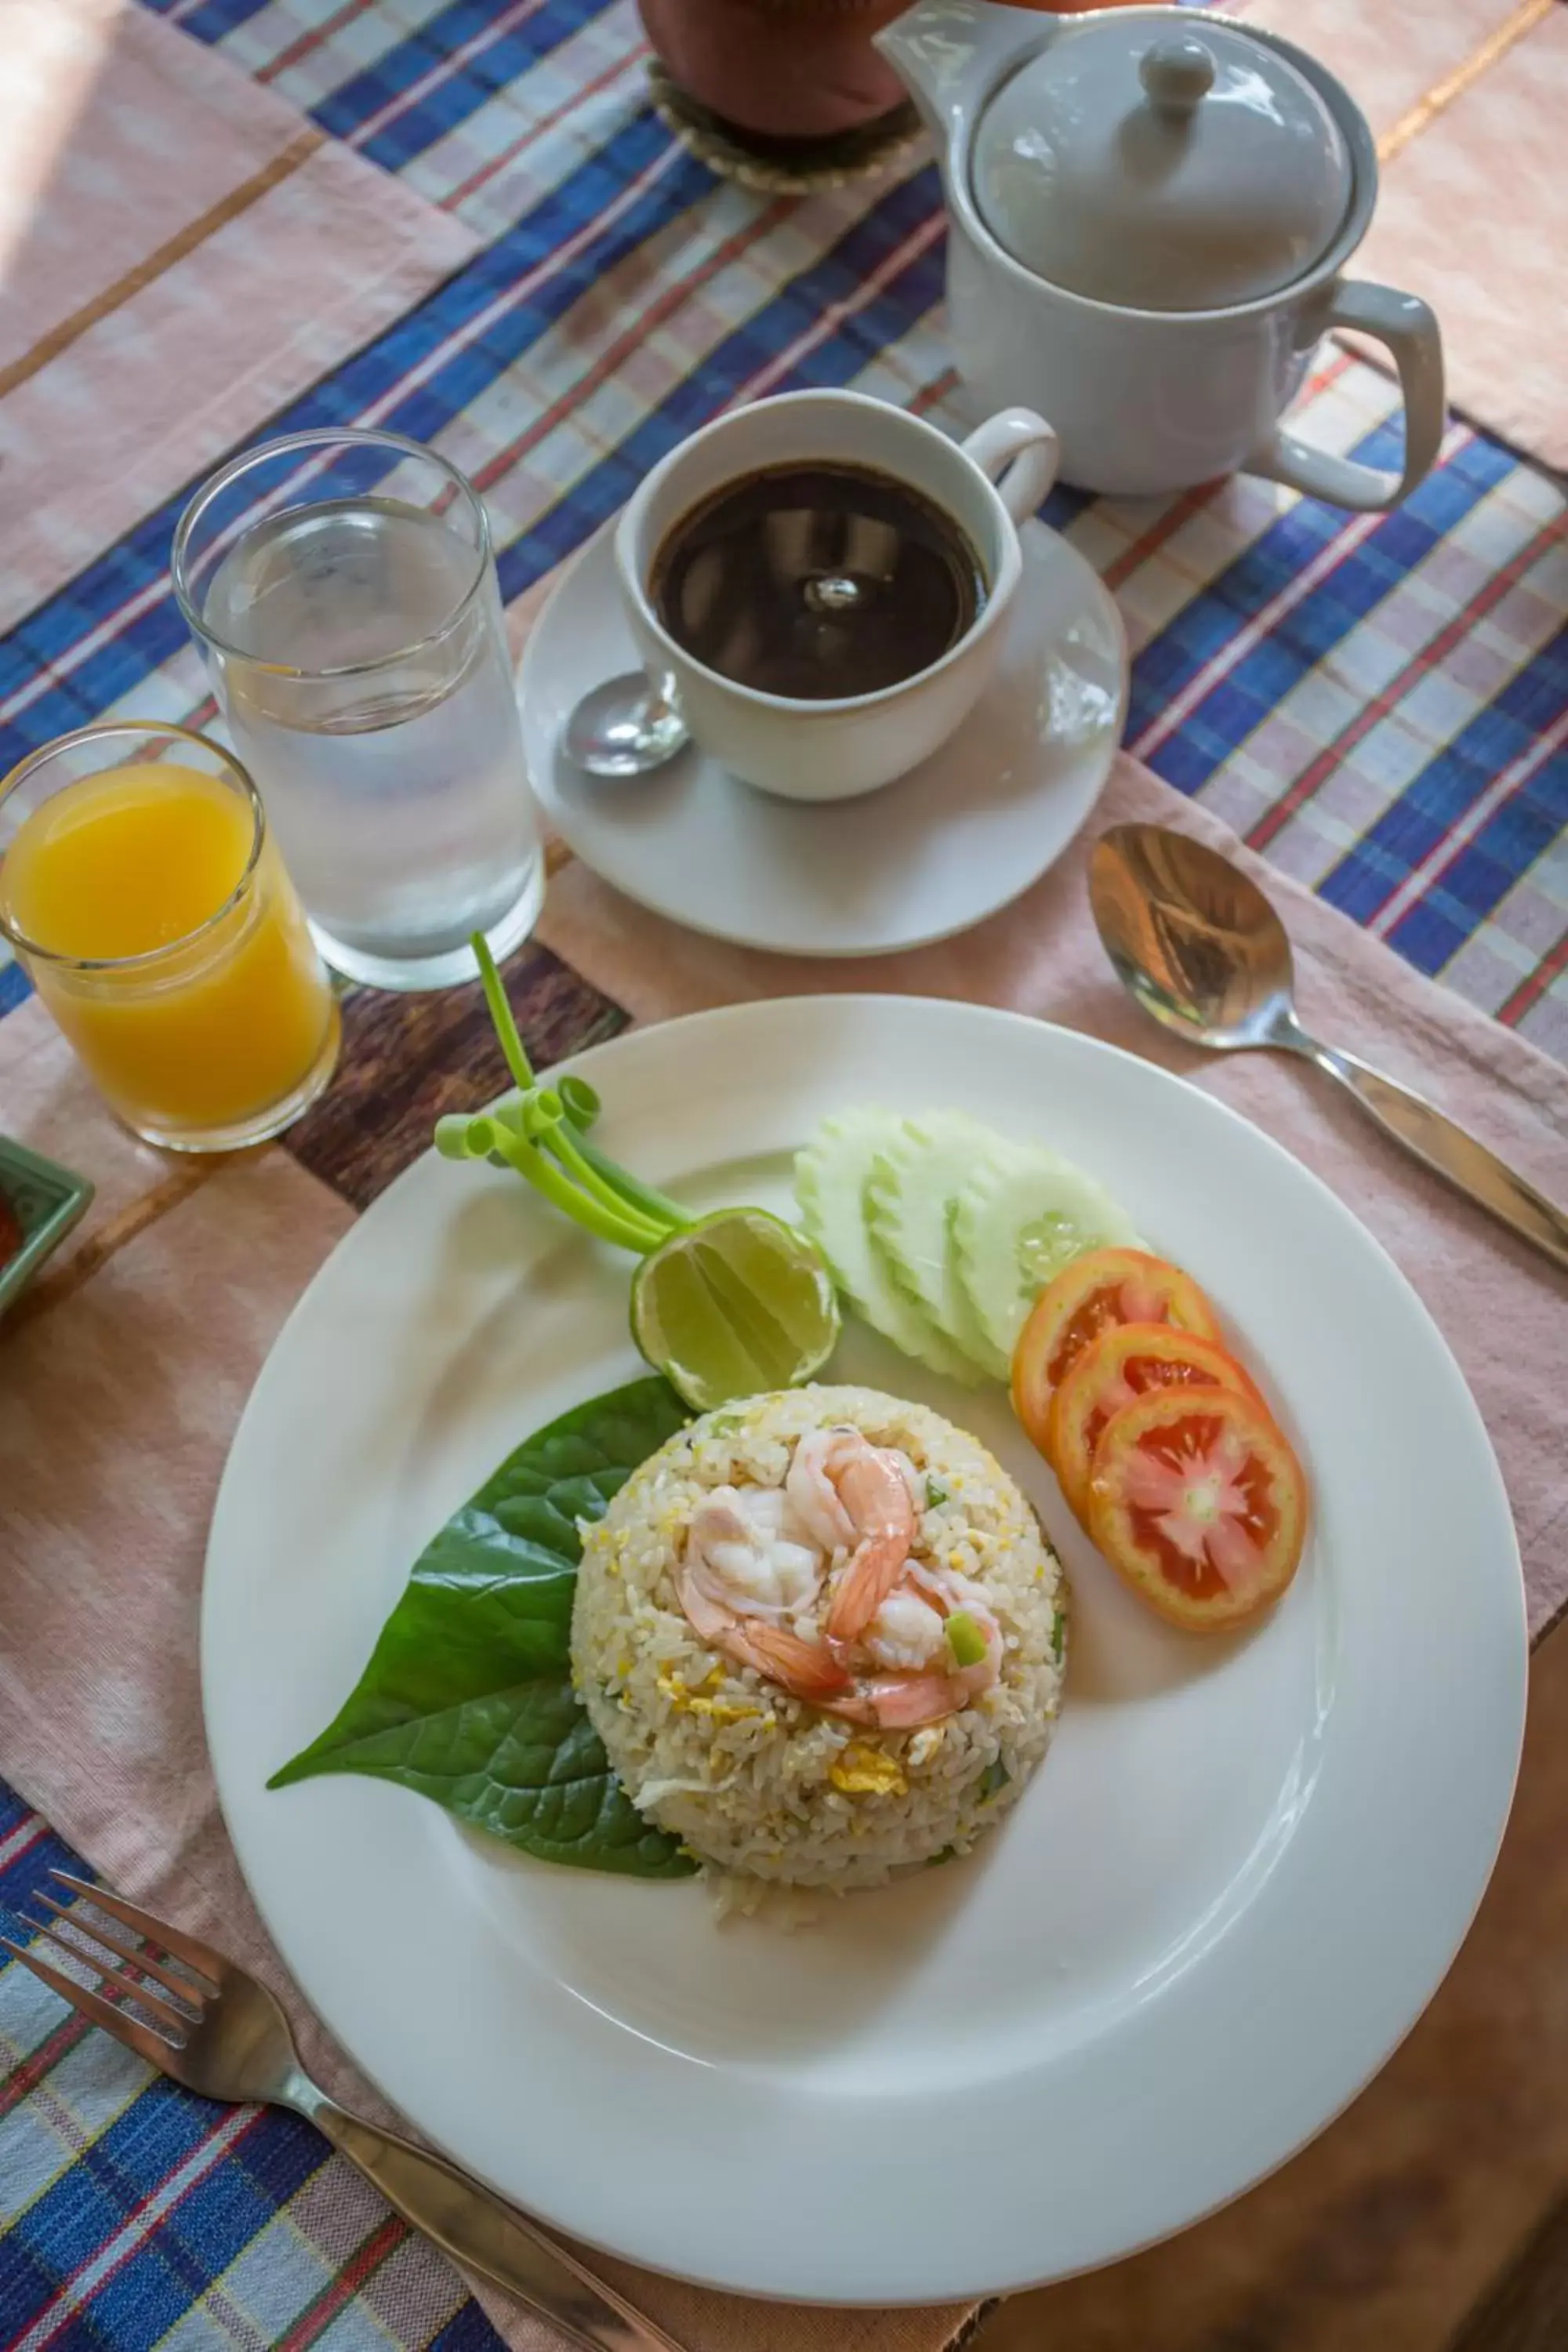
point(950, 53)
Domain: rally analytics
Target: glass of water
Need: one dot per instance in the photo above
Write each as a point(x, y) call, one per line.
point(342, 588)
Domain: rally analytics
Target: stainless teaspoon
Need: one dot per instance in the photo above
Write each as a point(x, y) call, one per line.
point(1197, 945)
point(623, 728)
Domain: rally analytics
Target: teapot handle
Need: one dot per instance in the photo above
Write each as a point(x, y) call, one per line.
point(1407, 327)
point(1020, 453)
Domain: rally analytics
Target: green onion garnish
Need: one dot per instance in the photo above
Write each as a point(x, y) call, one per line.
point(966, 1641)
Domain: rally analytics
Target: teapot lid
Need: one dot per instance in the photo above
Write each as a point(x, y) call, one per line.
point(1161, 169)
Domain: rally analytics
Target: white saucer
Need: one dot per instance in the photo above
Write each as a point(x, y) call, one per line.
point(926, 857)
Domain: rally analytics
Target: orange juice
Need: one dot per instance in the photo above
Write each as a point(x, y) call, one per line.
point(165, 938)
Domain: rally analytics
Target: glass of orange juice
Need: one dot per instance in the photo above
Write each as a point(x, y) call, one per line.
point(145, 897)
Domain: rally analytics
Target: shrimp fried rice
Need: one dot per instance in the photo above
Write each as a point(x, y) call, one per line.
point(756, 1778)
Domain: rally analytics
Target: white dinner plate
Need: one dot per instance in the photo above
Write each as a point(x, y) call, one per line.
point(1240, 1874)
point(924, 857)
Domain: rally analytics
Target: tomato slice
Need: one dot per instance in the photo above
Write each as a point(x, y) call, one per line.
point(1199, 1502)
point(1126, 1361)
point(1092, 1292)
point(10, 1231)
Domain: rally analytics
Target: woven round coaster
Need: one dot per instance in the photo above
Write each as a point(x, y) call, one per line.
point(781, 167)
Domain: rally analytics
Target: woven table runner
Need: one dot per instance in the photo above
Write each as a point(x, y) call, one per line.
point(181, 254)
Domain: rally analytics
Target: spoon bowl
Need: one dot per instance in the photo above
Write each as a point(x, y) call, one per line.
point(623, 728)
point(1194, 940)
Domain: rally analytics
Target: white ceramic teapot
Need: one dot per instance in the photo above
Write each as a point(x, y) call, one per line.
point(1150, 209)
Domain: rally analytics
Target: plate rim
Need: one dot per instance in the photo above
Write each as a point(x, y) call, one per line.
point(740, 1015)
point(558, 816)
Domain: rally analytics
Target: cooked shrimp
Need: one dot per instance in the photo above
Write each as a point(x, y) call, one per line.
point(901, 1702)
point(904, 1702)
point(739, 1552)
point(808, 1669)
point(811, 1488)
point(906, 1631)
point(872, 1490)
point(851, 1495)
point(757, 1560)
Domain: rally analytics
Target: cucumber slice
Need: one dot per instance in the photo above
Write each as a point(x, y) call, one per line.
point(911, 1197)
point(1017, 1223)
point(830, 1178)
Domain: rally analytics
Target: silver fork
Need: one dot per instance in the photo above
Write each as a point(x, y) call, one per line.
point(223, 2035)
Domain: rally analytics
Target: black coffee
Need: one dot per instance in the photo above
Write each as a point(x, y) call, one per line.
point(817, 582)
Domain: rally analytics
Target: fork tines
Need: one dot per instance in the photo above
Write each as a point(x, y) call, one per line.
point(174, 2018)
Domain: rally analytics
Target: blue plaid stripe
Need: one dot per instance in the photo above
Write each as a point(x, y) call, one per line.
point(469, 2331)
point(98, 2140)
point(1521, 831)
point(1313, 627)
point(799, 304)
point(398, 75)
point(212, 19)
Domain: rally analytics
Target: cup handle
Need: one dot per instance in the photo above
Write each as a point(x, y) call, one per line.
point(1018, 452)
point(1405, 325)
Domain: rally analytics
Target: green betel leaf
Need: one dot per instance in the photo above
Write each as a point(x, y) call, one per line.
point(468, 1696)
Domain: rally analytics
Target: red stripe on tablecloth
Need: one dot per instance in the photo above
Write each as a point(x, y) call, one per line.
point(25, 2077)
point(21, 1839)
point(477, 180)
point(1180, 708)
point(930, 395)
point(1317, 773)
point(668, 302)
point(72, 2294)
point(1191, 503)
point(1182, 509)
point(364, 2260)
point(828, 321)
point(305, 43)
point(1431, 869)
point(522, 287)
point(105, 632)
point(1259, 624)
point(1532, 989)
point(454, 62)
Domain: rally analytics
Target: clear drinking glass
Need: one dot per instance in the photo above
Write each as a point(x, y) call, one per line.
point(141, 890)
point(343, 590)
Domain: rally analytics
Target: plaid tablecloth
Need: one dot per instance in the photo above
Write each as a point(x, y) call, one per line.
point(1379, 703)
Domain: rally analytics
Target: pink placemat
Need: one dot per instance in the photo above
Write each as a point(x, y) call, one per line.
point(1468, 102)
point(181, 254)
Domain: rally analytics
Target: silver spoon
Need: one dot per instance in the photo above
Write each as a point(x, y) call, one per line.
point(623, 728)
point(1197, 945)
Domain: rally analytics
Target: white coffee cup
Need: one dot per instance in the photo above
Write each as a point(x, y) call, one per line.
point(829, 751)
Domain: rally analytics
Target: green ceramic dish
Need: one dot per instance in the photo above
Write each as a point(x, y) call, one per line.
point(46, 1200)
